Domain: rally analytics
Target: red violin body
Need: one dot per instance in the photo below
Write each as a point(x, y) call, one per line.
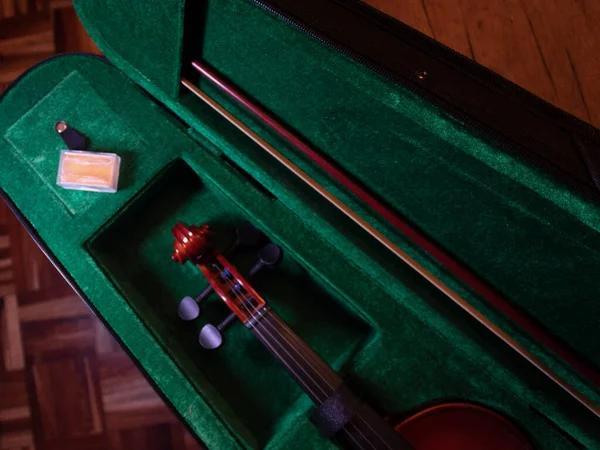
point(461, 426)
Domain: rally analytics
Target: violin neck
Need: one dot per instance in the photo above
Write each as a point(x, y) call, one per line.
point(313, 374)
point(366, 429)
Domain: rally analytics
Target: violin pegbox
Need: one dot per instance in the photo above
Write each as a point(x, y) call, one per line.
point(191, 243)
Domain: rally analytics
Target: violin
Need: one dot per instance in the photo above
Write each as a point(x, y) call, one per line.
point(340, 413)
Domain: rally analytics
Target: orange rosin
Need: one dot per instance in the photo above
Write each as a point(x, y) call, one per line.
point(89, 171)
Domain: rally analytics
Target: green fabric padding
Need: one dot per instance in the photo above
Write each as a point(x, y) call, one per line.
point(144, 36)
point(367, 314)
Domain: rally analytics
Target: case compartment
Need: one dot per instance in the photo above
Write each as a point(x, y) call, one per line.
point(241, 380)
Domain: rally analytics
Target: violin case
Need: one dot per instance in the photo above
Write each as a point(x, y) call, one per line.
point(501, 180)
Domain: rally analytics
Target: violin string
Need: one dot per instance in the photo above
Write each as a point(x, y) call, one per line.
point(312, 356)
point(318, 361)
point(263, 326)
point(247, 299)
point(242, 302)
point(303, 357)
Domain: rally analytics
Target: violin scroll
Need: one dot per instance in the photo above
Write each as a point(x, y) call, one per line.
point(191, 243)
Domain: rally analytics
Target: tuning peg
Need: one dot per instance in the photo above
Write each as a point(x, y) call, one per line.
point(189, 308)
point(211, 336)
point(268, 256)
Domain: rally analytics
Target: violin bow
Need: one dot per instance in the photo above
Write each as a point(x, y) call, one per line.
point(459, 270)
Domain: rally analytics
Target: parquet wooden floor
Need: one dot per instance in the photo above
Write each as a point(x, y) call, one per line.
point(64, 382)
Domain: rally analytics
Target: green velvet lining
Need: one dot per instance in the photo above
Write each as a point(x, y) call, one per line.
point(393, 334)
point(367, 314)
point(145, 37)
